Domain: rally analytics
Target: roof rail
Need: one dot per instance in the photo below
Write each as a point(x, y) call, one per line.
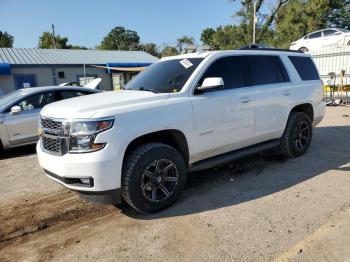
point(266, 48)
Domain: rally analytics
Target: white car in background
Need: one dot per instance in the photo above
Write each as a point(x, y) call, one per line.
point(327, 38)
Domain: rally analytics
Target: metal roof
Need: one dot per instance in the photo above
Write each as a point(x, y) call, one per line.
point(36, 56)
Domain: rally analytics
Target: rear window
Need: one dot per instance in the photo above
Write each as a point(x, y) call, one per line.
point(305, 67)
point(266, 70)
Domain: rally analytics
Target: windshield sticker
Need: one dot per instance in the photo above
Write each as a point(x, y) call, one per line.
point(186, 63)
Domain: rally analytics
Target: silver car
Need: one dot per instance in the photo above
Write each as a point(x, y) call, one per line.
point(19, 112)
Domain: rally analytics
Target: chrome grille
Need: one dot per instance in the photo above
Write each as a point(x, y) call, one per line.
point(53, 139)
point(51, 124)
point(52, 144)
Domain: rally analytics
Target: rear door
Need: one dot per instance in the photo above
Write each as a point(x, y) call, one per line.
point(224, 119)
point(23, 126)
point(332, 38)
point(273, 95)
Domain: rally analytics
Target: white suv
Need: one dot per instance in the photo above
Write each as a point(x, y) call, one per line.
point(184, 113)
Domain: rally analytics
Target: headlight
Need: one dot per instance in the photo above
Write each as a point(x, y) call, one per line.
point(83, 133)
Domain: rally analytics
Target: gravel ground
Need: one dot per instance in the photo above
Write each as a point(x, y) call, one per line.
point(259, 208)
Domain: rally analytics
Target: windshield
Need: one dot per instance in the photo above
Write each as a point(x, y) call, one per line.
point(166, 76)
point(343, 30)
point(9, 98)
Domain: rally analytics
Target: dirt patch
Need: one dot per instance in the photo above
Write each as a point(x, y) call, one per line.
point(44, 212)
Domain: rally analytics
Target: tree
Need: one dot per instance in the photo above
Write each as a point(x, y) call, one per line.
point(169, 51)
point(6, 40)
point(46, 40)
point(150, 48)
point(182, 41)
point(77, 47)
point(340, 14)
point(300, 17)
point(207, 36)
point(120, 38)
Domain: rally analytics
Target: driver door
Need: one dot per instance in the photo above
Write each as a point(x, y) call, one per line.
point(224, 118)
point(22, 127)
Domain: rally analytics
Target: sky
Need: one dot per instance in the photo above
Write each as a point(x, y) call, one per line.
point(86, 22)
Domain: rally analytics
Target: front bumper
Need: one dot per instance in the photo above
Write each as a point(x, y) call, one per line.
point(100, 170)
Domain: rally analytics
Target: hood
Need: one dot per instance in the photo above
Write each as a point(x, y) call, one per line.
point(98, 104)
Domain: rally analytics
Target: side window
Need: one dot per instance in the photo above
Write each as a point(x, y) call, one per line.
point(70, 94)
point(230, 69)
point(37, 101)
point(266, 70)
point(329, 32)
point(315, 35)
point(305, 67)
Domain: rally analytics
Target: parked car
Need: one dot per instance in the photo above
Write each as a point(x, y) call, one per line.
point(185, 113)
point(327, 38)
point(19, 112)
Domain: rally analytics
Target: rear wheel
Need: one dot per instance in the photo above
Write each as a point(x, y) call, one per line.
point(153, 177)
point(303, 49)
point(297, 136)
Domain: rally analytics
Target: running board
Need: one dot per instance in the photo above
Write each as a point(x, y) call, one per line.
point(234, 155)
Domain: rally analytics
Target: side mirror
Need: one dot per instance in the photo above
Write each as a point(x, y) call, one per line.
point(15, 110)
point(211, 84)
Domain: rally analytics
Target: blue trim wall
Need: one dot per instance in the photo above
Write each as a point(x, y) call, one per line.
point(5, 69)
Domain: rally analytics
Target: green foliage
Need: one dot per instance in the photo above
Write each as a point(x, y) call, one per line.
point(78, 47)
point(6, 40)
point(340, 14)
point(183, 41)
point(150, 48)
point(169, 51)
point(207, 36)
point(120, 38)
point(46, 41)
point(285, 22)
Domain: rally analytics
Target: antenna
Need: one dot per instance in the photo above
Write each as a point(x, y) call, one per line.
point(53, 36)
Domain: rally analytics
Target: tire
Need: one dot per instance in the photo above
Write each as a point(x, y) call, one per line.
point(297, 136)
point(303, 49)
point(153, 178)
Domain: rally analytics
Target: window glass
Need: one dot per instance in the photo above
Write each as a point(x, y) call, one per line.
point(305, 67)
point(266, 70)
point(315, 35)
point(343, 30)
point(166, 76)
point(70, 94)
point(37, 101)
point(329, 32)
point(230, 69)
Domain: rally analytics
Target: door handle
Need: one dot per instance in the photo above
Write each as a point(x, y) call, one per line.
point(245, 100)
point(285, 93)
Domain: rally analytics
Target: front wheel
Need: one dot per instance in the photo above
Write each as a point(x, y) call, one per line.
point(297, 136)
point(154, 175)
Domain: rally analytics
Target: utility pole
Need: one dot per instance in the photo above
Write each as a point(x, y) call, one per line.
point(254, 22)
point(53, 36)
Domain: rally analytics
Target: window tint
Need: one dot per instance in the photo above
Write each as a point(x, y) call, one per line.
point(70, 94)
point(37, 101)
point(167, 76)
point(315, 35)
point(305, 67)
point(266, 70)
point(329, 32)
point(230, 69)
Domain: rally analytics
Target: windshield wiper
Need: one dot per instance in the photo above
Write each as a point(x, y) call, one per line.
point(141, 88)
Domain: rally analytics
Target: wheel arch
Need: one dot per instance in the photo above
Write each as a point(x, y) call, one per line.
point(172, 137)
point(306, 108)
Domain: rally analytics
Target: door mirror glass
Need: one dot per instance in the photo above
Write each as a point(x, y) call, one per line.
point(211, 83)
point(15, 110)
